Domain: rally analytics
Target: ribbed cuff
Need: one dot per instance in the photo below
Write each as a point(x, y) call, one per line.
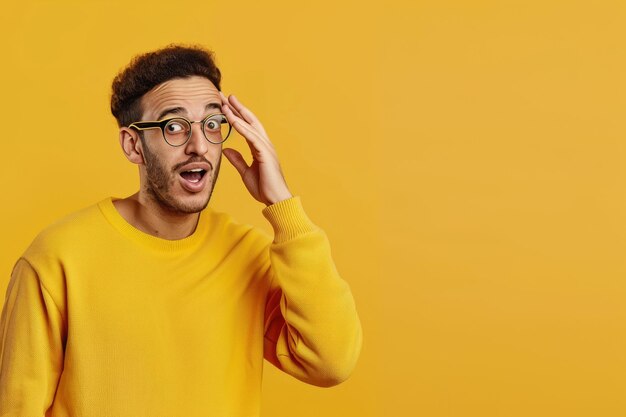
point(288, 219)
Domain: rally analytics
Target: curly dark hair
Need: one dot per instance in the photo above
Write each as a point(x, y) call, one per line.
point(148, 70)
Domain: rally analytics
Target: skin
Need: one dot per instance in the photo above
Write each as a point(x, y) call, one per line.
point(162, 207)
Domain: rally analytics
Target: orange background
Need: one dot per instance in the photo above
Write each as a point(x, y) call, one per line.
point(466, 159)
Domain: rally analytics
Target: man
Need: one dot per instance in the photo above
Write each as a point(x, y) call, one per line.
point(157, 305)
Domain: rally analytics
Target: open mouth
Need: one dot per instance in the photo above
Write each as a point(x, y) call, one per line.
point(193, 175)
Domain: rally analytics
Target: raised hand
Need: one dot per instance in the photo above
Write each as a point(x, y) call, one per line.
point(263, 178)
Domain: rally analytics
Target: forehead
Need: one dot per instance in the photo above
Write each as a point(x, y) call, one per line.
point(192, 93)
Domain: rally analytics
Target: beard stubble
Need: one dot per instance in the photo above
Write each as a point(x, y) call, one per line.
point(160, 180)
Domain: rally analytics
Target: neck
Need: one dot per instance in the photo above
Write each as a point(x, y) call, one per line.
point(145, 214)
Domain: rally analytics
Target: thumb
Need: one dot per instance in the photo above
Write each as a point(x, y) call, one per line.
point(235, 158)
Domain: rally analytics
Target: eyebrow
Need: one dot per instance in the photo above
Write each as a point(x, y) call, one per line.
point(182, 110)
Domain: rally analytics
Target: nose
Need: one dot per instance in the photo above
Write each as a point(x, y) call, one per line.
point(197, 143)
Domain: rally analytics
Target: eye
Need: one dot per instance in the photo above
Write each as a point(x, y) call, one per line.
point(174, 127)
point(213, 125)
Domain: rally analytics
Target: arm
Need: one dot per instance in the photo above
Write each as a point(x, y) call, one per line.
point(32, 338)
point(312, 330)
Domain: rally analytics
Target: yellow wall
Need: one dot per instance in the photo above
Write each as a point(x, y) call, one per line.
point(466, 159)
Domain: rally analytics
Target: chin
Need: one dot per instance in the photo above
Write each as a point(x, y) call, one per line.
point(192, 204)
point(171, 195)
point(184, 202)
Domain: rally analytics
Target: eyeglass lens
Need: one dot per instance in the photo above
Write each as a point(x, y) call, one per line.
point(216, 129)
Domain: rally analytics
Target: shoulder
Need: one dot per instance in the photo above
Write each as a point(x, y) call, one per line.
point(69, 231)
point(238, 234)
point(56, 247)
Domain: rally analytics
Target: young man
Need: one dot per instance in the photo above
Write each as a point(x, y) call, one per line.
point(157, 305)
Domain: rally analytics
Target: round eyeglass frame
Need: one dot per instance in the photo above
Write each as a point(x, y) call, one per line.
point(161, 124)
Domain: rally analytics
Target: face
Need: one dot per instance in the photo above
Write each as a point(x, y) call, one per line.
point(180, 179)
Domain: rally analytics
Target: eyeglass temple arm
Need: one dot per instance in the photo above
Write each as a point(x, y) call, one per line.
point(145, 125)
point(153, 124)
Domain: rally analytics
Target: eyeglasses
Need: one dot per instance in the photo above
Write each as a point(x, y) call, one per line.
point(177, 130)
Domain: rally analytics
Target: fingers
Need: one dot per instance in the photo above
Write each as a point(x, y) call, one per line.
point(244, 113)
point(256, 140)
point(232, 114)
point(236, 159)
point(259, 146)
point(237, 121)
point(225, 102)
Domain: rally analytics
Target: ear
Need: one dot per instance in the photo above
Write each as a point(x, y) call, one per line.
point(131, 145)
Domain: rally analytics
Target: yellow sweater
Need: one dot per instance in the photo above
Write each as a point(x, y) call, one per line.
point(101, 319)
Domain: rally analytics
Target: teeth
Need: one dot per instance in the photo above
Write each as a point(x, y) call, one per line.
point(195, 170)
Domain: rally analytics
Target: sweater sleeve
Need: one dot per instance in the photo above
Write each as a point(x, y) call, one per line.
point(32, 336)
point(312, 330)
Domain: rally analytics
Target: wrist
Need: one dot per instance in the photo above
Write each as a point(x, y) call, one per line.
point(277, 199)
